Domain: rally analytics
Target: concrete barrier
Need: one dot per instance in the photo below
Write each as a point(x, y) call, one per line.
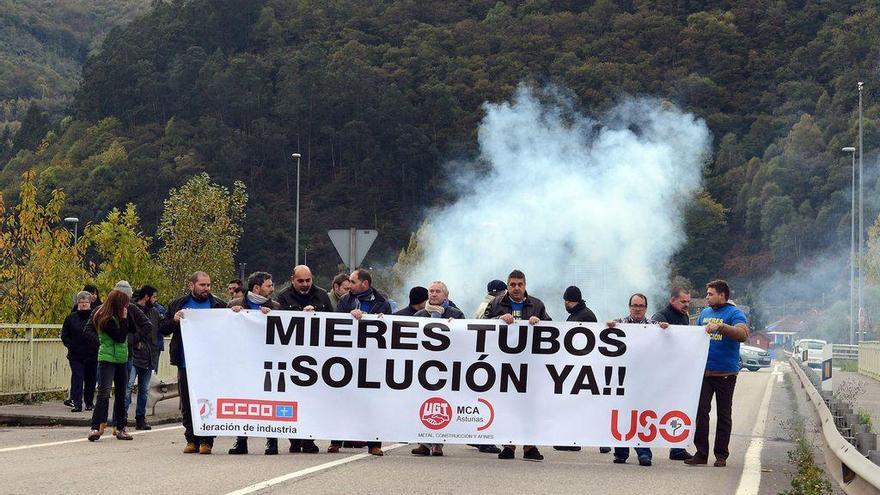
point(854, 472)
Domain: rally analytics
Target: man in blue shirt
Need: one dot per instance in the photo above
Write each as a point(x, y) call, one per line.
point(727, 326)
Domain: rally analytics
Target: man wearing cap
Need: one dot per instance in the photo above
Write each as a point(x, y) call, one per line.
point(578, 311)
point(676, 313)
point(493, 289)
point(418, 297)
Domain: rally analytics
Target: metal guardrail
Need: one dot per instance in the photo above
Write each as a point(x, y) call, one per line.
point(31, 365)
point(844, 351)
point(849, 468)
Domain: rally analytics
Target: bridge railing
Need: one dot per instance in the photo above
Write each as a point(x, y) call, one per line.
point(34, 360)
point(869, 359)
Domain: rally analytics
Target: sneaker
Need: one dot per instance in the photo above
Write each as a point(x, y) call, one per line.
point(333, 449)
point(696, 460)
point(68, 402)
point(644, 461)
point(488, 449)
point(94, 435)
point(720, 463)
point(421, 450)
point(309, 447)
point(205, 449)
point(89, 408)
point(532, 454)
point(240, 447)
point(191, 448)
point(567, 448)
point(121, 434)
point(604, 450)
point(506, 453)
point(377, 451)
point(680, 455)
point(141, 424)
point(271, 446)
point(76, 409)
point(437, 450)
point(618, 460)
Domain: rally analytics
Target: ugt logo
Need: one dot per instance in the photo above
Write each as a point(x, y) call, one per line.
point(672, 426)
point(435, 413)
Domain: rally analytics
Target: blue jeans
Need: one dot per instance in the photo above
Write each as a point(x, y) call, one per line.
point(677, 451)
point(623, 452)
point(143, 378)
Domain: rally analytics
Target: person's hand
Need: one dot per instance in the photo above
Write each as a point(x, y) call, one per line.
point(664, 325)
point(309, 308)
point(357, 314)
point(178, 316)
point(533, 320)
point(714, 327)
point(507, 318)
point(610, 323)
point(265, 310)
point(235, 309)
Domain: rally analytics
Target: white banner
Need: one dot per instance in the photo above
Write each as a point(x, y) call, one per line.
point(328, 376)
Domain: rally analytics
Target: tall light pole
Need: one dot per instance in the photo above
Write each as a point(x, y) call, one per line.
point(852, 249)
point(296, 257)
point(861, 221)
point(75, 222)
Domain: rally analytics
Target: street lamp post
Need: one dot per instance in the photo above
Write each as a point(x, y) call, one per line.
point(241, 267)
point(75, 222)
point(861, 220)
point(296, 244)
point(852, 249)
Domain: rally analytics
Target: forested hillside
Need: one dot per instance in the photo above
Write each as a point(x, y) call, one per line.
point(378, 96)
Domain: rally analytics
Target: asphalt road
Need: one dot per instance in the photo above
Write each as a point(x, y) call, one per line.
point(60, 460)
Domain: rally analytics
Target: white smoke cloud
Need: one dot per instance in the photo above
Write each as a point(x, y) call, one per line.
point(570, 200)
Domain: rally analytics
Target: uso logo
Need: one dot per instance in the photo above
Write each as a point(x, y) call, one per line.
point(264, 410)
point(672, 426)
point(435, 413)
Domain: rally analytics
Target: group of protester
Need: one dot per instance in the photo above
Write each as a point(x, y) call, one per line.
point(120, 340)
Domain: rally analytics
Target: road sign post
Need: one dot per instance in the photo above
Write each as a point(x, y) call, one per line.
point(352, 244)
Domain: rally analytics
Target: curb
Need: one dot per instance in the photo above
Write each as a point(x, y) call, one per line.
point(85, 420)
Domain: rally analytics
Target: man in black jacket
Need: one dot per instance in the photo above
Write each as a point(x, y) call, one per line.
point(303, 295)
point(82, 354)
point(199, 297)
point(418, 297)
point(676, 313)
point(362, 299)
point(144, 354)
point(517, 304)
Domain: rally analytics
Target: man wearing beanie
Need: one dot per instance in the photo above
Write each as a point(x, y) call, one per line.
point(418, 297)
point(493, 289)
point(578, 311)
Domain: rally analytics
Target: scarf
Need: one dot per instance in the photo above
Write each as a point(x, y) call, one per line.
point(256, 298)
point(363, 296)
point(577, 307)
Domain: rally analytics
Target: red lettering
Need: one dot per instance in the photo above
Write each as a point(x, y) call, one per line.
point(615, 432)
point(646, 419)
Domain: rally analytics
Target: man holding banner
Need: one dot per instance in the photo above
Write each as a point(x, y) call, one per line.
point(199, 297)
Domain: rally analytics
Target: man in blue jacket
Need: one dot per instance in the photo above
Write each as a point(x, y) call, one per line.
point(727, 326)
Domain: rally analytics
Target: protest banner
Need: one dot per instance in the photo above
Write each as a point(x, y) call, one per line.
point(329, 376)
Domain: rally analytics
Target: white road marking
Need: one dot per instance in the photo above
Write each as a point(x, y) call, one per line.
point(302, 472)
point(51, 444)
point(750, 480)
point(777, 373)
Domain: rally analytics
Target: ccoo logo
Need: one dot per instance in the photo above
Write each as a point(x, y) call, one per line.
point(435, 413)
point(673, 426)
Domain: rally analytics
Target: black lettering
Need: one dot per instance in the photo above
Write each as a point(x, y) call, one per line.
point(568, 341)
point(398, 334)
point(521, 343)
point(275, 326)
point(423, 375)
point(327, 376)
point(481, 330)
point(473, 369)
point(442, 340)
point(298, 365)
point(586, 380)
point(509, 376)
point(559, 378)
point(407, 374)
point(362, 375)
point(541, 335)
point(333, 331)
point(365, 333)
point(607, 337)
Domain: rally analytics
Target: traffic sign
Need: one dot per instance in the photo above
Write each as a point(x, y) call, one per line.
point(352, 244)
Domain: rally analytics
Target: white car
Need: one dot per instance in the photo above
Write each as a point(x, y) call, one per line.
point(753, 358)
point(809, 351)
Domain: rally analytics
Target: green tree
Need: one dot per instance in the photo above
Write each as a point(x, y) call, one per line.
point(200, 229)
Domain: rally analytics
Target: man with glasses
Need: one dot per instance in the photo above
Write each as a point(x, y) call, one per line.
point(638, 306)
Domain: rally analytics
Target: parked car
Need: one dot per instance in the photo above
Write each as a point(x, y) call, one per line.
point(809, 351)
point(753, 358)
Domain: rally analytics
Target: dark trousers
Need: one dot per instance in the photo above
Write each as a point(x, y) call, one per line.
point(641, 452)
point(82, 381)
point(370, 445)
point(722, 388)
point(115, 374)
point(186, 411)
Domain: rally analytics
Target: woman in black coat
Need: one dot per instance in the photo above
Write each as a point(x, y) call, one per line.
point(82, 354)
